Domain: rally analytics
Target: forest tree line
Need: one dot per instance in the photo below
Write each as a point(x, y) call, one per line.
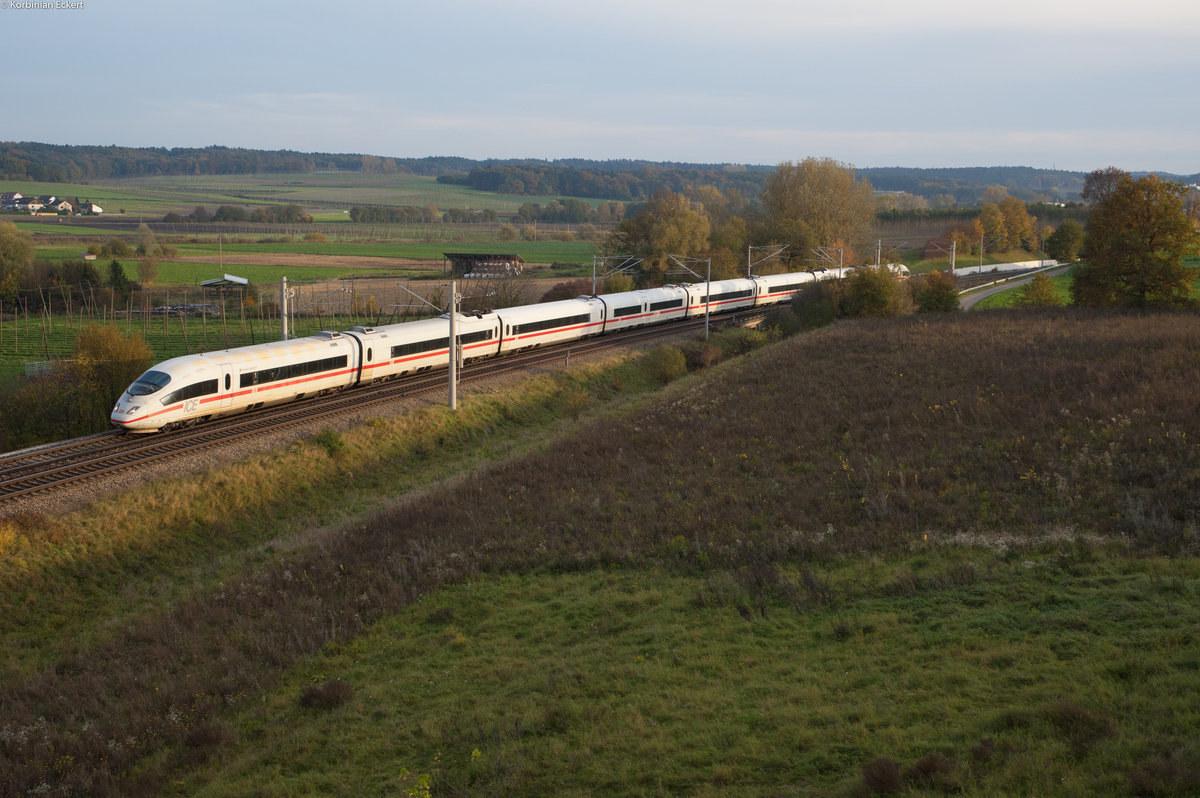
point(621, 179)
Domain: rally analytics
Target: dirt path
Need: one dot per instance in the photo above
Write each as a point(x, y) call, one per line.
point(298, 259)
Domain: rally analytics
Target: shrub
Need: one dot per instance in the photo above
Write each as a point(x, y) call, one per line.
point(816, 306)
point(739, 340)
point(568, 289)
point(935, 292)
point(875, 292)
point(935, 771)
point(1084, 727)
point(330, 440)
point(666, 363)
point(1038, 292)
point(783, 322)
point(329, 695)
point(700, 354)
point(882, 776)
point(1171, 774)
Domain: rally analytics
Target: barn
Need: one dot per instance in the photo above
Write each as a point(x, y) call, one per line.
point(471, 264)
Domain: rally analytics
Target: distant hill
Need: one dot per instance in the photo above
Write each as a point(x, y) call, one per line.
point(627, 180)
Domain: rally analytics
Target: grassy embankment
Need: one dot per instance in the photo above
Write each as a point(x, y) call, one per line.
point(952, 554)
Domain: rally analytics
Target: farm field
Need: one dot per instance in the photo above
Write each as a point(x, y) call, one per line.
point(605, 581)
point(352, 279)
point(327, 195)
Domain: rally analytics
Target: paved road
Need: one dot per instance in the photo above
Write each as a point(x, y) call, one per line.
point(966, 301)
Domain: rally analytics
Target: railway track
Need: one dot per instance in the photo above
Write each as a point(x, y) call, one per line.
point(57, 466)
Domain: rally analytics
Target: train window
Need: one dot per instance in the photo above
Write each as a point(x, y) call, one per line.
point(203, 388)
point(626, 311)
point(667, 304)
point(228, 381)
point(470, 338)
point(728, 295)
point(547, 324)
point(150, 382)
point(369, 355)
point(418, 347)
point(293, 370)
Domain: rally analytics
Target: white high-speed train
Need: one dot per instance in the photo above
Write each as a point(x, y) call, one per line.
point(194, 388)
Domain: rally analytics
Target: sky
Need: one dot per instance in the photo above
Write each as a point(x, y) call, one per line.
point(1063, 84)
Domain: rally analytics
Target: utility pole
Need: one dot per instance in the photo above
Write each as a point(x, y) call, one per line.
point(283, 309)
point(453, 345)
point(624, 263)
point(774, 252)
point(683, 261)
point(826, 254)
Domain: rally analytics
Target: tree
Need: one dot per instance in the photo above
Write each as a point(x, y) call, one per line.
point(935, 293)
point(230, 213)
point(147, 270)
point(1018, 224)
point(1098, 185)
point(669, 224)
point(76, 397)
point(1138, 235)
point(1066, 241)
point(1038, 293)
point(875, 292)
point(16, 259)
point(147, 243)
point(991, 219)
point(815, 203)
point(117, 280)
point(81, 273)
point(109, 359)
point(568, 289)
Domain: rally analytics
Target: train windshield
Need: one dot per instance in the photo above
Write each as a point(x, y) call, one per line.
point(149, 382)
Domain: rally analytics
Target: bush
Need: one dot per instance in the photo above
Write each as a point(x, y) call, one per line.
point(567, 290)
point(874, 292)
point(699, 354)
point(816, 306)
point(1038, 293)
point(935, 292)
point(783, 322)
point(882, 777)
point(739, 340)
point(330, 440)
point(666, 363)
point(329, 695)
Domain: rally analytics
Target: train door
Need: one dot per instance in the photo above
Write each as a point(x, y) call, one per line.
point(226, 385)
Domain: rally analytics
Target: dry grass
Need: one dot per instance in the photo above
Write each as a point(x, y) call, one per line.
point(870, 437)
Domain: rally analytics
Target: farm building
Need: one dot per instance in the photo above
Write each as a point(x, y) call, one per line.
point(463, 264)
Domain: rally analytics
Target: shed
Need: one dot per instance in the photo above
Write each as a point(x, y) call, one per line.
point(470, 264)
point(227, 280)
